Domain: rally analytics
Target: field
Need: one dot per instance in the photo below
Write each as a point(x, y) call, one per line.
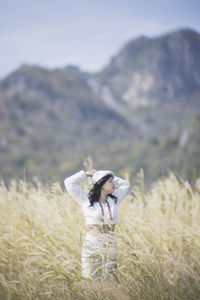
point(42, 230)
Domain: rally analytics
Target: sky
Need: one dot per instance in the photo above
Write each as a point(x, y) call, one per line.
point(85, 33)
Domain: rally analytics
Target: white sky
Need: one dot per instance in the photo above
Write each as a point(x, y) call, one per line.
point(86, 33)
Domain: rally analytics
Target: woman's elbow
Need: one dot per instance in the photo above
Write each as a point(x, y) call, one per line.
point(67, 184)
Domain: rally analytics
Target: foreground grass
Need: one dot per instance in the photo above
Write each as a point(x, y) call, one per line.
point(42, 229)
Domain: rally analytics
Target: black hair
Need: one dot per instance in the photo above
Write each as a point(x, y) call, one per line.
point(95, 192)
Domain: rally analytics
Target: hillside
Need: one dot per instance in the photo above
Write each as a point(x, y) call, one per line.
point(50, 117)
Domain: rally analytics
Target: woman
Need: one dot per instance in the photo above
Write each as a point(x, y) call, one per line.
point(100, 209)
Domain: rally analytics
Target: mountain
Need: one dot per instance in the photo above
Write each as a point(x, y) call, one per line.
point(49, 116)
point(141, 110)
point(153, 77)
point(150, 70)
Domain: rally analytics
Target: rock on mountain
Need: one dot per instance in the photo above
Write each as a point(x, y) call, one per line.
point(150, 70)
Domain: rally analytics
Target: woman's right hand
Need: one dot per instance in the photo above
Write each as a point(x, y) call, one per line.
point(90, 173)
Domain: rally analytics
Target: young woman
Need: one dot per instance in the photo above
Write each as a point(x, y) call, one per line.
point(100, 209)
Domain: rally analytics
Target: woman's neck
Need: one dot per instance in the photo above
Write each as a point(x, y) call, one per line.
point(103, 197)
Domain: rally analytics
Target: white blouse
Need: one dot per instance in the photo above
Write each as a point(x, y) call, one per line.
point(93, 214)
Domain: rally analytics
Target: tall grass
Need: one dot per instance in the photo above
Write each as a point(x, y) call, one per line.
point(42, 229)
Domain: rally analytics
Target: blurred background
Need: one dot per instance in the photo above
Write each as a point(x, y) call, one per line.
point(112, 82)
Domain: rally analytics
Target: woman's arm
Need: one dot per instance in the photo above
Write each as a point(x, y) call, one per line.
point(72, 185)
point(123, 187)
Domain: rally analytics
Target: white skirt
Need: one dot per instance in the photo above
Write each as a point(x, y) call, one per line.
point(99, 255)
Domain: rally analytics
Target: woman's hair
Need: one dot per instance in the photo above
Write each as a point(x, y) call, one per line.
point(95, 192)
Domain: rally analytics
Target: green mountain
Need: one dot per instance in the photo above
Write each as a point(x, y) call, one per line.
point(141, 111)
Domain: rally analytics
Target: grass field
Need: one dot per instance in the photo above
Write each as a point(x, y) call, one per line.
point(42, 230)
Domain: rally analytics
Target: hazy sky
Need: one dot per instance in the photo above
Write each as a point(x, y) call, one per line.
point(86, 33)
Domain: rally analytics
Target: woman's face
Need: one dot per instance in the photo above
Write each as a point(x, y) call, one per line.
point(109, 186)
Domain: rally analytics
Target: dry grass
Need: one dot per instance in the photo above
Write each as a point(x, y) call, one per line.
point(41, 233)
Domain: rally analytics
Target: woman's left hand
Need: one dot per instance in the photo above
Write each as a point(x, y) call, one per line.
point(90, 173)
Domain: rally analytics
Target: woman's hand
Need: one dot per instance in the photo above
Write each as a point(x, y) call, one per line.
point(90, 173)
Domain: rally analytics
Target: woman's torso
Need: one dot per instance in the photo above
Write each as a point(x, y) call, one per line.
point(99, 229)
point(100, 221)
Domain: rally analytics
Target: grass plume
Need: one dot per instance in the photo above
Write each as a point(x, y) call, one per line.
point(42, 229)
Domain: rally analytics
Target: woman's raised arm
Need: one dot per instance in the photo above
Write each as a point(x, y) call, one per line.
point(72, 185)
point(123, 187)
